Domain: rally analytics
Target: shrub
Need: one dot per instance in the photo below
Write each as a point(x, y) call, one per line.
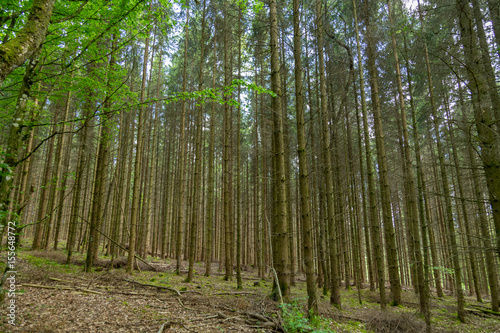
point(296, 321)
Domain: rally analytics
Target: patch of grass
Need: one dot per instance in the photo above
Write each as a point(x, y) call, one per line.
point(352, 326)
point(296, 321)
point(49, 263)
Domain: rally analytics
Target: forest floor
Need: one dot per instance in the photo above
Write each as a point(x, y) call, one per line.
point(55, 297)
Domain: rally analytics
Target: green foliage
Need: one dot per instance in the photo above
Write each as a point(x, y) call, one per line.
point(255, 5)
point(217, 95)
point(51, 265)
point(443, 269)
point(166, 280)
point(5, 171)
point(296, 321)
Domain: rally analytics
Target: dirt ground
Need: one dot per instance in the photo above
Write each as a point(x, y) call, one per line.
point(54, 297)
point(58, 299)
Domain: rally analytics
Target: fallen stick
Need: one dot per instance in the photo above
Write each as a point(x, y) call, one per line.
point(203, 318)
point(185, 307)
point(225, 307)
point(259, 317)
point(90, 291)
point(191, 291)
point(38, 286)
point(131, 293)
point(231, 318)
point(221, 315)
point(60, 280)
point(350, 317)
point(236, 293)
point(64, 287)
point(61, 288)
point(154, 285)
point(162, 328)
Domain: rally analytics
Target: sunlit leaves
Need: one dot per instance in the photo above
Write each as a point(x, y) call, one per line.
point(218, 95)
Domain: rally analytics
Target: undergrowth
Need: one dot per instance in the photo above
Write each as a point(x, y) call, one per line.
point(296, 321)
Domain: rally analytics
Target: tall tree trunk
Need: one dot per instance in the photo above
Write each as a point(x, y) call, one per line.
point(390, 241)
point(54, 182)
point(83, 160)
point(64, 171)
point(485, 60)
point(491, 266)
point(485, 124)
point(375, 225)
point(307, 228)
point(366, 227)
point(182, 157)
point(239, 281)
point(494, 10)
point(472, 260)
point(43, 207)
point(227, 156)
point(450, 223)
point(279, 227)
point(139, 151)
point(198, 157)
point(98, 205)
point(210, 185)
point(423, 291)
point(422, 191)
point(328, 173)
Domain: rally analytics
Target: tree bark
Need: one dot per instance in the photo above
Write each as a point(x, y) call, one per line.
point(423, 291)
point(198, 157)
point(391, 252)
point(279, 227)
point(307, 228)
point(375, 226)
point(16, 51)
point(328, 173)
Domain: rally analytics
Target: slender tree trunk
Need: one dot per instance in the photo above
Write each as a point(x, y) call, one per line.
point(450, 223)
point(227, 156)
point(328, 174)
point(489, 74)
point(491, 266)
point(366, 227)
point(279, 227)
point(494, 10)
point(375, 226)
point(55, 181)
point(472, 260)
point(423, 292)
point(183, 153)
point(83, 160)
point(136, 196)
point(390, 241)
point(210, 190)
point(239, 281)
point(43, 207)
point(422, 192)
point(64, 171)
point(485, 123)
point(198, 158)
point(307, 228)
